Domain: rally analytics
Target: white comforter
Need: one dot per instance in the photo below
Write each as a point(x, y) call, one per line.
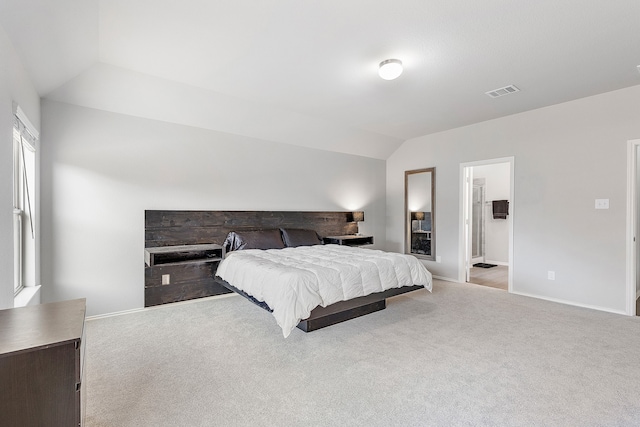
point(294, 281)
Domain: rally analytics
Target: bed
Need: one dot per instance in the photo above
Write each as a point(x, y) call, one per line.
point(308, 285)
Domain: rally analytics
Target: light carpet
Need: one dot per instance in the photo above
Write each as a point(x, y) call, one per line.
point(463, 355)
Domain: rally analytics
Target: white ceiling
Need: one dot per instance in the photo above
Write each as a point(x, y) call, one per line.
point(314, 63)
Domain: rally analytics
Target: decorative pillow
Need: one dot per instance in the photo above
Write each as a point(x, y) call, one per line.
point(298, 237)
point(253, 239)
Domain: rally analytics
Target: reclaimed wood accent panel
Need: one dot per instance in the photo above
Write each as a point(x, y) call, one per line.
point(190, 280)
point(164, 228)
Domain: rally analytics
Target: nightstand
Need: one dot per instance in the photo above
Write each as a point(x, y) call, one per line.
point(180, 273)
point(349, 240)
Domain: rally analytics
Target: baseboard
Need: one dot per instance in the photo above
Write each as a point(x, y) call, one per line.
point(115, 313)
point(156, 307)
point(557, 300)
point(446, 279)
point(575, 304)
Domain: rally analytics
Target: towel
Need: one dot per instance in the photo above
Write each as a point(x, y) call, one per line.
point(500, 209)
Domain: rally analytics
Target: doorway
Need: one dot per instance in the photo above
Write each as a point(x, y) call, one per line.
point(487, 223)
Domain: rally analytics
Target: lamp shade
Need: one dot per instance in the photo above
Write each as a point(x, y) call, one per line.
point(419, 216)
point(358, 216)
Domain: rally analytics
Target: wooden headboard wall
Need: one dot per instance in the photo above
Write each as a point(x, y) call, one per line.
point(166, 228)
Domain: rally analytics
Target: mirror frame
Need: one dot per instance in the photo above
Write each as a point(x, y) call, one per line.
point(407, 214)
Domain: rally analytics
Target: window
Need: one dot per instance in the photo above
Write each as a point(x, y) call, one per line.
point(24, 180)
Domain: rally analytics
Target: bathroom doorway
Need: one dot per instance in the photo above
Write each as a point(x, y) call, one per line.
point(487, 212)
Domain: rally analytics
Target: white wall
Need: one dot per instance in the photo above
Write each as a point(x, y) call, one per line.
point(497, 181)
point(101, 170)
point(566, 156)
point(15, 86)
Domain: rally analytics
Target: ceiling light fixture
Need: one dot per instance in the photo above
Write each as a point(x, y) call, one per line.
point(390, 69)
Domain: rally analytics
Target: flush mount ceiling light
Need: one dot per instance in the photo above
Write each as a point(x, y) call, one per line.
point(390, 69)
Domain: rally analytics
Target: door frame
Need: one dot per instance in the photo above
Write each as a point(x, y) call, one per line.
point(466, 182)
point(632, 224)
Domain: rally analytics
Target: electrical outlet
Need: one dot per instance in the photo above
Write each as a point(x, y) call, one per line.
point(602, 203)
point(438, 258)
point(551, 275)
point(166, 279)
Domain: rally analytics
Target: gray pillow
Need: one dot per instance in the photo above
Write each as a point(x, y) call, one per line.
point(299, 237)
point(254, 239)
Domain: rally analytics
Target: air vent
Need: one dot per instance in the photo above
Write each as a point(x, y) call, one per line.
point(497, 93)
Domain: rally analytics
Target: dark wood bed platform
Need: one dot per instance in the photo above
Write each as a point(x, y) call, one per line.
point(335, 313)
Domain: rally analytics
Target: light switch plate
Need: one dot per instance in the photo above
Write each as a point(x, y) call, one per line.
point(166, 279)
point(602, 203)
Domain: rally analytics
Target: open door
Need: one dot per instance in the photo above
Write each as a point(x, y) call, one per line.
point(466, 209)
point(478, 221)
point(633, 225)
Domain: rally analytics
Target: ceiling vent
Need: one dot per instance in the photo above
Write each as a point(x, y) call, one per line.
point(497, 93)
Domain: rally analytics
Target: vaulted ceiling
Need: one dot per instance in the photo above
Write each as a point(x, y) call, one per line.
point(305, 72)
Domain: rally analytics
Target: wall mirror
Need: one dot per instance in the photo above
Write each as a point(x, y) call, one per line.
point(419, 212)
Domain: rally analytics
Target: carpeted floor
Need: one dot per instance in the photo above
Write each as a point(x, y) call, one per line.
point(464, 355)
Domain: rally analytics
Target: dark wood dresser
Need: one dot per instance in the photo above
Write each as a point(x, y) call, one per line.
point(41, 363)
